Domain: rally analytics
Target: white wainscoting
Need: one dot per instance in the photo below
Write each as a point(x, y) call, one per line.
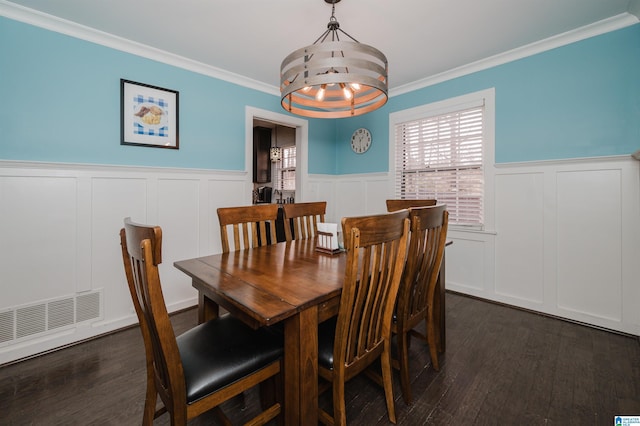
point(566, 240)
point(59, 238)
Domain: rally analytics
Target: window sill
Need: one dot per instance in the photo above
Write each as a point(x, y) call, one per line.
point(471, 229)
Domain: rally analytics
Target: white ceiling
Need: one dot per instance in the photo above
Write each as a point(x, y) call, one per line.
point(421, 38)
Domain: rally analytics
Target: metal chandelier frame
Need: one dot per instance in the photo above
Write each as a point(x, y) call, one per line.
point(334, 78)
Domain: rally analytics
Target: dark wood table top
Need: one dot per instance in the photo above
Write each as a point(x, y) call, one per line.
point(268, 284)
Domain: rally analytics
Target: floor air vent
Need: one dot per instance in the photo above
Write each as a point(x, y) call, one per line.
point(6, 326)
point(31, 320)
point(49, 316)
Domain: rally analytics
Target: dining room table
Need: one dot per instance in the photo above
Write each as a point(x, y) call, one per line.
point(289, 283)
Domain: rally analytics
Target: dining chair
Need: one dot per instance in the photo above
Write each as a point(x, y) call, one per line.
point(304, 218)
point(252, 226)
point(417, 291)
point(395, 205)
point(207, 365)
point(360, 334)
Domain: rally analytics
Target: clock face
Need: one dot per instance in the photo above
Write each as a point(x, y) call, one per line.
point(360, 141)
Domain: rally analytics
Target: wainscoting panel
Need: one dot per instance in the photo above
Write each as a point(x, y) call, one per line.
point(178, 207)
point(38, 238)
point(466, 268)
point(520, 236)
point(112, 199)
point(377, 187)
point(361, 194)
point(350, 198)
point(590, 228)
point(324, 189)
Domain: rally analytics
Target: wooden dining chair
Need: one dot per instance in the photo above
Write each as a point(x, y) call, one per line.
point(209, 364)
point(252, 226)
point(360, 334)
point(395, 205)
point(304, 218)
point(418, 288)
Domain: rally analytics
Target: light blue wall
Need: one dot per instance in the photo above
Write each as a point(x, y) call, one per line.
point(61, 103)
point(580, 100)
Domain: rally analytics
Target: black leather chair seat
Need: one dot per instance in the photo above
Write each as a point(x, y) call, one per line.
point(326, 337)
point(221, 351)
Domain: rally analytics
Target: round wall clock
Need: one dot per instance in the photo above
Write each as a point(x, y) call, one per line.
point(361, 141)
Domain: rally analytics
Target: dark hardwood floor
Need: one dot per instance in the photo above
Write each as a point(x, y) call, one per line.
point(502, 366)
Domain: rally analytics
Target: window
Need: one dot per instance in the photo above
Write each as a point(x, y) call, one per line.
point(440, 153)
point(286, 170)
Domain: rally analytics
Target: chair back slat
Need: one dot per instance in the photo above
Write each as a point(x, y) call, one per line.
point(304, 218)
point(252, 226)
point(395, 205)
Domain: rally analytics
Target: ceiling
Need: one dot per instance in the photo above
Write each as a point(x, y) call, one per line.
point(421, 38)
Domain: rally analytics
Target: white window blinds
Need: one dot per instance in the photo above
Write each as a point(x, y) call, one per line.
point(286, 170)
point(441, 157)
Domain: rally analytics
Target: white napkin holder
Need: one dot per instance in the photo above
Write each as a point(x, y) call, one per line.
point(328, 241)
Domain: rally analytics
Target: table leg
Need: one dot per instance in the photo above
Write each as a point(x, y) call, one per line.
point(207, 309)
point(301, 368)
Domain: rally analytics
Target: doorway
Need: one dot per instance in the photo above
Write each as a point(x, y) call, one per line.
point(274, 144)
point(289, 132)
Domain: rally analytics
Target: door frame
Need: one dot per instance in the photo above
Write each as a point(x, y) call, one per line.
point(302, 143)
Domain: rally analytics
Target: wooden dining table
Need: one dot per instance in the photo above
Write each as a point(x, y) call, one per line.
point(289, 283)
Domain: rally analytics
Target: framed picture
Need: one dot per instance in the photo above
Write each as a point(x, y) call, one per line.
point(149, 115)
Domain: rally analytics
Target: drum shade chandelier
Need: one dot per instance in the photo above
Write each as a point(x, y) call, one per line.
point(334, 78)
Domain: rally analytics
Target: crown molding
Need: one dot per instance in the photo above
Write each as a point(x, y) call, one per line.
point(63, 26)
point(601, 27)
point(52, 23)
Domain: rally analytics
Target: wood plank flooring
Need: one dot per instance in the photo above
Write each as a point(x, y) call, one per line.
point(503, 366)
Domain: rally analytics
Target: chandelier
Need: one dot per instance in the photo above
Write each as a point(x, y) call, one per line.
point(334, 78)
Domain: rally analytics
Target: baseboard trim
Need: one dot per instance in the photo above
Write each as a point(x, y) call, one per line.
point(544, 314)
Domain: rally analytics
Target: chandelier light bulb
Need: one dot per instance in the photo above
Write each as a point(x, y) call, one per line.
point(320, 94)
point(346, 91)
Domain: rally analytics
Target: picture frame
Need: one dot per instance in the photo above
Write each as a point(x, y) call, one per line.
point(149, 115)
